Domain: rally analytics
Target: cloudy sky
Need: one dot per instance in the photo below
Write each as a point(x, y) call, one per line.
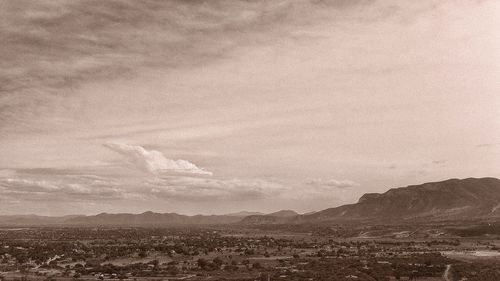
point(226, 105)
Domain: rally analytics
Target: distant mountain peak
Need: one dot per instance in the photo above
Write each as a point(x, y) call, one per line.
point(281, 216)
point(283, 213)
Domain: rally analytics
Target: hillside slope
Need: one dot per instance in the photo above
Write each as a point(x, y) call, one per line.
point(450, 199)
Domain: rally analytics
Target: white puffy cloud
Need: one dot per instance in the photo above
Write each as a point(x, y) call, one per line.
point(333, 183)
point(154, 161)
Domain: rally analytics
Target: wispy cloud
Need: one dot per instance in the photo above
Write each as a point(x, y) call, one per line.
point(45, 50)
point(54, 185)
point(164, 179)
point(439, 162)
point(203, 189)
point(488, 145)
point(392, 167)
point(62, 188)
point(154, 161)
point(333, 183)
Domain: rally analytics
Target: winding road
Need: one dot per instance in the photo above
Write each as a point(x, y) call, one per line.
point(446, 274)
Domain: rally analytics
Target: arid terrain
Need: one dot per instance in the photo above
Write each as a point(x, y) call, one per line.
point(426, 240)
point(271, 252)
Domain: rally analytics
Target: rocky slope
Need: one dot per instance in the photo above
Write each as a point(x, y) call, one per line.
point(452, 199)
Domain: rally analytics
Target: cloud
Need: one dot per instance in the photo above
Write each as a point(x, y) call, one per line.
point(203, 189)
point(392, 167)
point(55, 185)
point(439, 162)
point(165, 179)
point(44, 50)
point(154, 161)
point(7, 172)
point(77, 185)
point(487, 145)
point(64, 188)
point(333, 183)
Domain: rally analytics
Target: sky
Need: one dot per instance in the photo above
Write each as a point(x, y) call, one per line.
point(213, 107)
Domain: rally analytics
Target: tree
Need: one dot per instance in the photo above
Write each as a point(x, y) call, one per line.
point(202, 263)
point(172, 269)
point(256, 265)
point(218, 261)
point(143, 254)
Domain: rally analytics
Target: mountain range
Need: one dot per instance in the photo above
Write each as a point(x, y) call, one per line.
point(453, 199)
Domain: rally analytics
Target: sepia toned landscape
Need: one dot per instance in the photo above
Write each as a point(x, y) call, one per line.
point(436, 231)
point(249, 140)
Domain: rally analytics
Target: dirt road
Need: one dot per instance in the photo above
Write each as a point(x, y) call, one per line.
point(446, 274)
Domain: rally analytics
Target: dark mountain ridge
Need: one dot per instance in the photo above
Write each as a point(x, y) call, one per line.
point(446, 200)
point(282, 216)
point(244, 214)
point(151, 219)
point(128, 219)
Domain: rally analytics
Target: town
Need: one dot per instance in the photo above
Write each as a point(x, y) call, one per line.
point(226, 253)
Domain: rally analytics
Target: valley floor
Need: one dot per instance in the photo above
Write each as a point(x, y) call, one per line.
point(381, 253)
